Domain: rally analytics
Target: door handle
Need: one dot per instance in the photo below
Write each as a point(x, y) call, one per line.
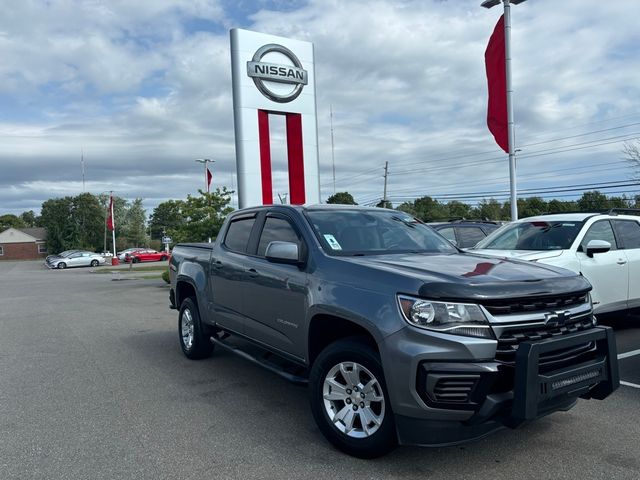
point(253, 273)
point(621, 262)
point(217, 264)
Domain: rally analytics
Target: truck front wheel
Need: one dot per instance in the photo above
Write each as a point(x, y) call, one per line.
point(349, 399)
point(195, 344)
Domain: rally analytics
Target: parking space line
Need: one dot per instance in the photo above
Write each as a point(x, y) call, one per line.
point(632, 353)
point(629, 384)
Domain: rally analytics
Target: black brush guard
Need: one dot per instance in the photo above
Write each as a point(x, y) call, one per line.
point(536, 392)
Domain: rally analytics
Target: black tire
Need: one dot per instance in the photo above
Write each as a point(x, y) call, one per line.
point(200, 347)
point(381, 441)
point(62, 265)
point(135, 260)
point(95, 263)
point(163, 258)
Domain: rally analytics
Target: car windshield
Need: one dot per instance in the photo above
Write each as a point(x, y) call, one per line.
point(533, 235)
point(370, 232)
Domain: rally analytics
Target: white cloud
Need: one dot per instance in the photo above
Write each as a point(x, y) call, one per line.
point(142, 95)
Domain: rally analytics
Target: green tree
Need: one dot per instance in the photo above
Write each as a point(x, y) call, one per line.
point(384, 204)
point(29, 218)
point(531, 207)
point(133, 229)
point(56, 217)
point(490, 209)
point(166, 216)
point(87, 215)
point(203, 216)
point(594, 200)
point(428, 209)
point(343, 198)
point(11, 221)
point(458, 209)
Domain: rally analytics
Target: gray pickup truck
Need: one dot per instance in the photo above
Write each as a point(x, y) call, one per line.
point(400, 336)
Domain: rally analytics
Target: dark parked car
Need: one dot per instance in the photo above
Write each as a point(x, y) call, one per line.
point(465, 233)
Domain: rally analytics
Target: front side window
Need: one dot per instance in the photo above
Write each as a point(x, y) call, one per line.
point(534, 235)
point(237, 238)
point(276, 230)
point(374, 232)
point(600, 231)
point(629, 232)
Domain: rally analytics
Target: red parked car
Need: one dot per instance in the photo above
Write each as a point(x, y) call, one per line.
point(146, 255)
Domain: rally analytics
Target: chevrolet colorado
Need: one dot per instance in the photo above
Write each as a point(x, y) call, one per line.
point(401, 337)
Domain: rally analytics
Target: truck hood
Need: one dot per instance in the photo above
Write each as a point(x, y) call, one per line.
point(519, 254)
point(476, 277)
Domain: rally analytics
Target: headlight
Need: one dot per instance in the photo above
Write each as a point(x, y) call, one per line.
point(455, 318)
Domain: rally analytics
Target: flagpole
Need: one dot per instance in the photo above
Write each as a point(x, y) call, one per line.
point(511, 136)
point(113, 222)
point(510, 125)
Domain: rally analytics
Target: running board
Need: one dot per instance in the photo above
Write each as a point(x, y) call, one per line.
point(263, 362)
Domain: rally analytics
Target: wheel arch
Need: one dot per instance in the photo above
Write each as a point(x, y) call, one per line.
point(325, 329)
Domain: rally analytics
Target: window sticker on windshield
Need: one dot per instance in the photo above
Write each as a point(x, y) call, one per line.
point(333, 243)
point(568, 224)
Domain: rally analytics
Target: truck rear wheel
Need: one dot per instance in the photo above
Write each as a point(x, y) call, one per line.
point(349, 399)
point(193, 340)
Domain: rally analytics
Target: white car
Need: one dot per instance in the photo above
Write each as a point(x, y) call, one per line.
point(604, 247)
point(76, 259)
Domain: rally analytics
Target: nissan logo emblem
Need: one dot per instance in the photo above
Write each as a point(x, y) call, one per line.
point(271, 72)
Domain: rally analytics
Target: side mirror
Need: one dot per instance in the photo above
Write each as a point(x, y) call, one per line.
point(283, 252)
point(597, 246)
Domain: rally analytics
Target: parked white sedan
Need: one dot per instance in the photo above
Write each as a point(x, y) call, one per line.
point(76, 259)
point(604, 247)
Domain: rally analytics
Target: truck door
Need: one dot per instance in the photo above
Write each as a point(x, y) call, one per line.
point(608, 272)
point(276, 293)
point(227, 285)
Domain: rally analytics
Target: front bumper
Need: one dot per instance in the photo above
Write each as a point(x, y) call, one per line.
point(463, 401)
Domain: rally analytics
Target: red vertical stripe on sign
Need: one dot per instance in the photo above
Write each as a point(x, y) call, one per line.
point(296, 158)
point(495, 63)
point(265, 157)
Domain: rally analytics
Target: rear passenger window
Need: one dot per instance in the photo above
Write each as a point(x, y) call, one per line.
point(600, 231)
point(469, 236)
point(276, 229)
point(629, 232)
point(448, 233)
point(237, 237)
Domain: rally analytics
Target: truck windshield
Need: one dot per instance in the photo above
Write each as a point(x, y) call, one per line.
point(535, 235)
point(370, 232)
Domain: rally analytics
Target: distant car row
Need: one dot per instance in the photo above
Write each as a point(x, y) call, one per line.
point(74, 258)
point(83, 258)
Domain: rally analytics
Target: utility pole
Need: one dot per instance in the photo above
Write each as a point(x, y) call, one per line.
point(386, 174)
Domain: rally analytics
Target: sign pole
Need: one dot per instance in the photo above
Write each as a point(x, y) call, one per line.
point(510, 123)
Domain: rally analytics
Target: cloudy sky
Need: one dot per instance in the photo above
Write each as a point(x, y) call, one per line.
point(143, 88)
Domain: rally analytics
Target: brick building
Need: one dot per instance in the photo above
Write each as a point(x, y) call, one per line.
point(23, 244)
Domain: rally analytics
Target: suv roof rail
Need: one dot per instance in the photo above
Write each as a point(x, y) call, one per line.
point(606, 211)
point(471, 220)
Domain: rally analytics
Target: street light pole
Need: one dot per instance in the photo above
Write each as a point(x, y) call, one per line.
point(510, 122)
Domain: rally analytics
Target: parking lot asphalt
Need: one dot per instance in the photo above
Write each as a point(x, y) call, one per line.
point(93, 385)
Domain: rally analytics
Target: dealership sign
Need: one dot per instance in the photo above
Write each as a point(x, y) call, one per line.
point(289, 74)
point(274, 76)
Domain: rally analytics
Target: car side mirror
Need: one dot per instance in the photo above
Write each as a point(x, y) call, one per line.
point(597, 246)
point(283, 252)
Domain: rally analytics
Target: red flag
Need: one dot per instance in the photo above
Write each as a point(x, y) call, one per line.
point(209, 177)
point(495, 62)
point(111, 225)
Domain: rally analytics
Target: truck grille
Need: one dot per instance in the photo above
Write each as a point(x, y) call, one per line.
point(524, 305)
point(510, 340)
